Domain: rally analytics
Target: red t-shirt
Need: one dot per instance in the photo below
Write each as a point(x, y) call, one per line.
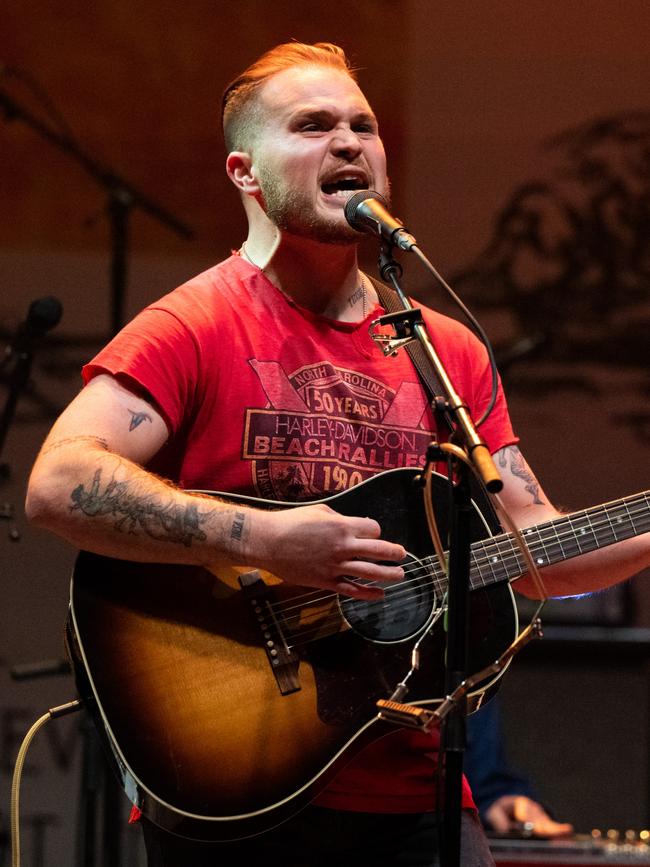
point(263, 397)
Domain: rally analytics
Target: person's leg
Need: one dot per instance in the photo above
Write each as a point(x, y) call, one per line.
point(474, 848)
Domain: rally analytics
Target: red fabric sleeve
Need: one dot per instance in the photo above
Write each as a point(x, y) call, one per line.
point(155, 354)
point(468, 366)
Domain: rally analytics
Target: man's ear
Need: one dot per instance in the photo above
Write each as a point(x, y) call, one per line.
point(239, 166)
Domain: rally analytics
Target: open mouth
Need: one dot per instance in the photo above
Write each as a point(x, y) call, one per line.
point(341, 188)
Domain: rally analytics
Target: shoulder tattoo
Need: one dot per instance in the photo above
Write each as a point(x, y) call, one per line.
point(512, 457)
point(137, 418)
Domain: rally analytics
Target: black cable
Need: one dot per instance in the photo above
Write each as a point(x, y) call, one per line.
point(475, 325)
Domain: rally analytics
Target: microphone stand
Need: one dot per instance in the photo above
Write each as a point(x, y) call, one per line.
point(122, 198)
point(412, 327)
point(17, 381)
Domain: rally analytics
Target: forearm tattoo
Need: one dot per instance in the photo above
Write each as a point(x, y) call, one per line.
point(136, 513)
point(137, 418)
point(518, 468)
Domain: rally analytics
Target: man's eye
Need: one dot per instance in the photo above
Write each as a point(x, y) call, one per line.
point(312, 126)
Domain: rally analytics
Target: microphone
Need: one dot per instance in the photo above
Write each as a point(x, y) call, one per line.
point(366, 211)
point(42, 316)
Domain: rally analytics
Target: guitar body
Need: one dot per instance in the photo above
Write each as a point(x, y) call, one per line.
point(217, 738)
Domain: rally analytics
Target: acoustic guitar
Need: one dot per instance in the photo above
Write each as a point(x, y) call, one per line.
point(227, 701)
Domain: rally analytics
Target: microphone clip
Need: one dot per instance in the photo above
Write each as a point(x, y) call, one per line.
point(403, 323)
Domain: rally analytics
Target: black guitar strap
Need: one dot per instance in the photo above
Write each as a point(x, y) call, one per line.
point(391, 304)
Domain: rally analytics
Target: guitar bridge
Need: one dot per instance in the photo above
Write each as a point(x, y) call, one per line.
point(283, 662)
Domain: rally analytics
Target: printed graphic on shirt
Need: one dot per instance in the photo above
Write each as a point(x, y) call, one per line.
point(327, 428)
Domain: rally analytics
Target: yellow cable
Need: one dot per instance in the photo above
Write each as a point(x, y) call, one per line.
point(52, 713)
point(15, 788)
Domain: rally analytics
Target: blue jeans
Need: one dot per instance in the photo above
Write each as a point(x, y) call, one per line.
point(317, 837)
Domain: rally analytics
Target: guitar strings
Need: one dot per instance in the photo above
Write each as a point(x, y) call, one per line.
point(426, 566)
point(334, 621)
point(564, 529)
point(399, 597)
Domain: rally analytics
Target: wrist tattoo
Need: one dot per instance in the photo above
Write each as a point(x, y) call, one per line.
point(136, 513)
point(519, 469)
point(137, 418)
point(238, 526)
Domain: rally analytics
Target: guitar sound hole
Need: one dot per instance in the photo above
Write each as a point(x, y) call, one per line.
point(402, 612)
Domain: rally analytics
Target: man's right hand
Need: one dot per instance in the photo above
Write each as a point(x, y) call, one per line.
point(314, 546)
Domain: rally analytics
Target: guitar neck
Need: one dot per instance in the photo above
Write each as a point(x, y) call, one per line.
point(498, 558)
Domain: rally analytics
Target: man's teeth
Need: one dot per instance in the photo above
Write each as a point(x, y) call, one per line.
point(344, 195)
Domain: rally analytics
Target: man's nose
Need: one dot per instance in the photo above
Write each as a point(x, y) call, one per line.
point(345, 142)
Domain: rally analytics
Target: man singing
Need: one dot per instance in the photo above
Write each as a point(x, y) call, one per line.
point(259, 377)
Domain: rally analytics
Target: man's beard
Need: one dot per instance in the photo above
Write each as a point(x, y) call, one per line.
point(293, 211)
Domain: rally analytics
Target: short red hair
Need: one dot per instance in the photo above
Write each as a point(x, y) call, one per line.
point(239, 105)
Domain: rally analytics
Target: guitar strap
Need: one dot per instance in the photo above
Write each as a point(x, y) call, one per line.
point(391, 304)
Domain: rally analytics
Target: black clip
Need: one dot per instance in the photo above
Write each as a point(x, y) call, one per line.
point(403, 323)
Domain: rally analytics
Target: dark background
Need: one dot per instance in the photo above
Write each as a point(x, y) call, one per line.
point(518, 143)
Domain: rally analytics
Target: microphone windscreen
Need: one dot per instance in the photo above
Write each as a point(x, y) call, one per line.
point(353, 203)
point(43, 314)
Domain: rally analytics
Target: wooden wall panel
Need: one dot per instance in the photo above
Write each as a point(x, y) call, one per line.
point(140, 86)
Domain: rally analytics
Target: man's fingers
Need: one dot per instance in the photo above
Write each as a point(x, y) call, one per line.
point(547, 827)
point(365, 528)
point(377, 549)
point(372, 579)
point(340, 549)
point(347, 587)
point(499, 816)
point(370, 571)
point(363, 539)
point(531, 814)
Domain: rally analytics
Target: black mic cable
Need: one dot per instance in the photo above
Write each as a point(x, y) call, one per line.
point(367, 212)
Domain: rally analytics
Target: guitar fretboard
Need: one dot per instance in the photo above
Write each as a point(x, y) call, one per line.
point(498, 558)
